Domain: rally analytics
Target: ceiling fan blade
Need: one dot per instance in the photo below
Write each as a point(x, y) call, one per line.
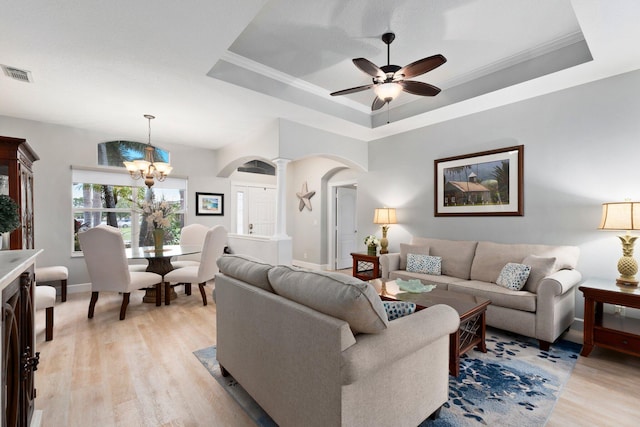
point(421, 66)
point(419, 88)
point(369, 67)
point(377, 104)
point(352, 90)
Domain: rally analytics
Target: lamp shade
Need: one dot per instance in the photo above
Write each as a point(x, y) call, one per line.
point(620, 216)
point(385, 216)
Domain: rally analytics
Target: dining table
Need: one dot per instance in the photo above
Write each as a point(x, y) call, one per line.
point(159, 262)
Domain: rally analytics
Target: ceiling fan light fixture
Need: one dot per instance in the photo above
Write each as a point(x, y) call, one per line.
point(388, 91)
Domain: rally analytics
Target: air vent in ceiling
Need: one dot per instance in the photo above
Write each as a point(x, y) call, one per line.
point(18, 74)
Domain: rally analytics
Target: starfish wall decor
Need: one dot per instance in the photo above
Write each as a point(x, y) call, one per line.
point(305, 197)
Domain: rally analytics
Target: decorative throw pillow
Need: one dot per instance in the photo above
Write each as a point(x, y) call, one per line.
point(513, 276)
point(398, 309)
point(541, 267)
point(406, 249)
point(424, 264)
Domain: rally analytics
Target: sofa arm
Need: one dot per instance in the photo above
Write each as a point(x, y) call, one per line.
point(555, 310)
point(389, 262)
point(559, 282)
point(404, 336)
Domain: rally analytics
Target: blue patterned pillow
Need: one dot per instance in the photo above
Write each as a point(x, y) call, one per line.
point(397, 309)
point(513, 276)
point(424, 264)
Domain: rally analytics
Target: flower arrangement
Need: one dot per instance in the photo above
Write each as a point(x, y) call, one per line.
point(157, 214)
point(371, 241)
point(9, 216)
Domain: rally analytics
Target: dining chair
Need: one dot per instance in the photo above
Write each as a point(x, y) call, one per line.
point(192, 234)
point(215, 241)
point(106, 261)
point(55, 273)
point(45, 299)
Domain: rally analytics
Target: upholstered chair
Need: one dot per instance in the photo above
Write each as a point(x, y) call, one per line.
point(106, 261)
point(192, 234)
point(45, 299)
point(214, 243)
point(55, 273)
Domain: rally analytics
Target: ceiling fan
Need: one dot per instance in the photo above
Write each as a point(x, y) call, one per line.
point(389, 80)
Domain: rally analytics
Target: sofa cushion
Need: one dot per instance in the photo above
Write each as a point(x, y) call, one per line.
point(406, 249)
point(427, 279)
point(248, 269)
point(335, 294)
point(424, 264)
point(541, 267)
point(398, 309)
point(490, 257)
point(513, 276)
point(457, 255)
point(499, 296)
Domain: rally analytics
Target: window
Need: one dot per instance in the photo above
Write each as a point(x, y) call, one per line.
point(113, 153)
point(113, 198)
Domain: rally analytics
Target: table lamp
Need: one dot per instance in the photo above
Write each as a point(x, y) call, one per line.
point(623, 216)
point(385, 217)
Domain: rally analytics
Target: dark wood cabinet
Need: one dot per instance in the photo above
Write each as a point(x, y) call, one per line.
point(16, 181)
point(19, 358)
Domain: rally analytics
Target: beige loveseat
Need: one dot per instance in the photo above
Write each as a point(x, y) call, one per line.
point(543, 309)
point(316, 349)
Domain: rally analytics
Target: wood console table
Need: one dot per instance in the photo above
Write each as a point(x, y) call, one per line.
point(606, 330)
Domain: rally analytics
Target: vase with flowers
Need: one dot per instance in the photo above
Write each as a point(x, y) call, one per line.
point(372, 244)
point(158, 217)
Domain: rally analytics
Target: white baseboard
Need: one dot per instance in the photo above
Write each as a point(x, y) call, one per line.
point(310, 265)
point(36, 418)
point(78, 288)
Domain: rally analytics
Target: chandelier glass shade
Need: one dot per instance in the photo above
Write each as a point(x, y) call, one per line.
point(146, 168)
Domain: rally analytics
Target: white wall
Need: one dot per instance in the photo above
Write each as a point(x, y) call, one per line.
point(59, 147)
point(299, 141)
point(308, 229)
point(581, 149)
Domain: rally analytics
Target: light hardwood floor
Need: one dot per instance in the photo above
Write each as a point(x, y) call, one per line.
point(141, 371)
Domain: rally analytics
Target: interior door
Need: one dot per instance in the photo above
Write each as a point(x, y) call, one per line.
point(346, 231)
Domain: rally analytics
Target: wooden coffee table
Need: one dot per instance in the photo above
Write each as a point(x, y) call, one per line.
point(471, 309)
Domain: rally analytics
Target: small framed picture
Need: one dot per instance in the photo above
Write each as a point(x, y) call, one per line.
point(489, 183)
point(209, 204)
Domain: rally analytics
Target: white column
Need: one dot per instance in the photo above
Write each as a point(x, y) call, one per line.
point(281, 199)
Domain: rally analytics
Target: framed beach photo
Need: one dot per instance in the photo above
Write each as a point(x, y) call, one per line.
point(489, 183)
point(209, 204)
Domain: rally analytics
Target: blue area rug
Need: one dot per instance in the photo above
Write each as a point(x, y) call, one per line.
point(514, 383)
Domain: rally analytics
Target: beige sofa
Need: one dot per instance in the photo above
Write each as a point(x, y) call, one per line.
point(316, 349)
point(543, 309)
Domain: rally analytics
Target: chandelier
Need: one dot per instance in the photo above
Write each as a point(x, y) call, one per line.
point(146, 168)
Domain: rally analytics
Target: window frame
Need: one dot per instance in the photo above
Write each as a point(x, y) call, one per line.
point(115, 177)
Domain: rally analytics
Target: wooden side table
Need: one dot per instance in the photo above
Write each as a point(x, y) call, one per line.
point(365, 267)
point(606, 330)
